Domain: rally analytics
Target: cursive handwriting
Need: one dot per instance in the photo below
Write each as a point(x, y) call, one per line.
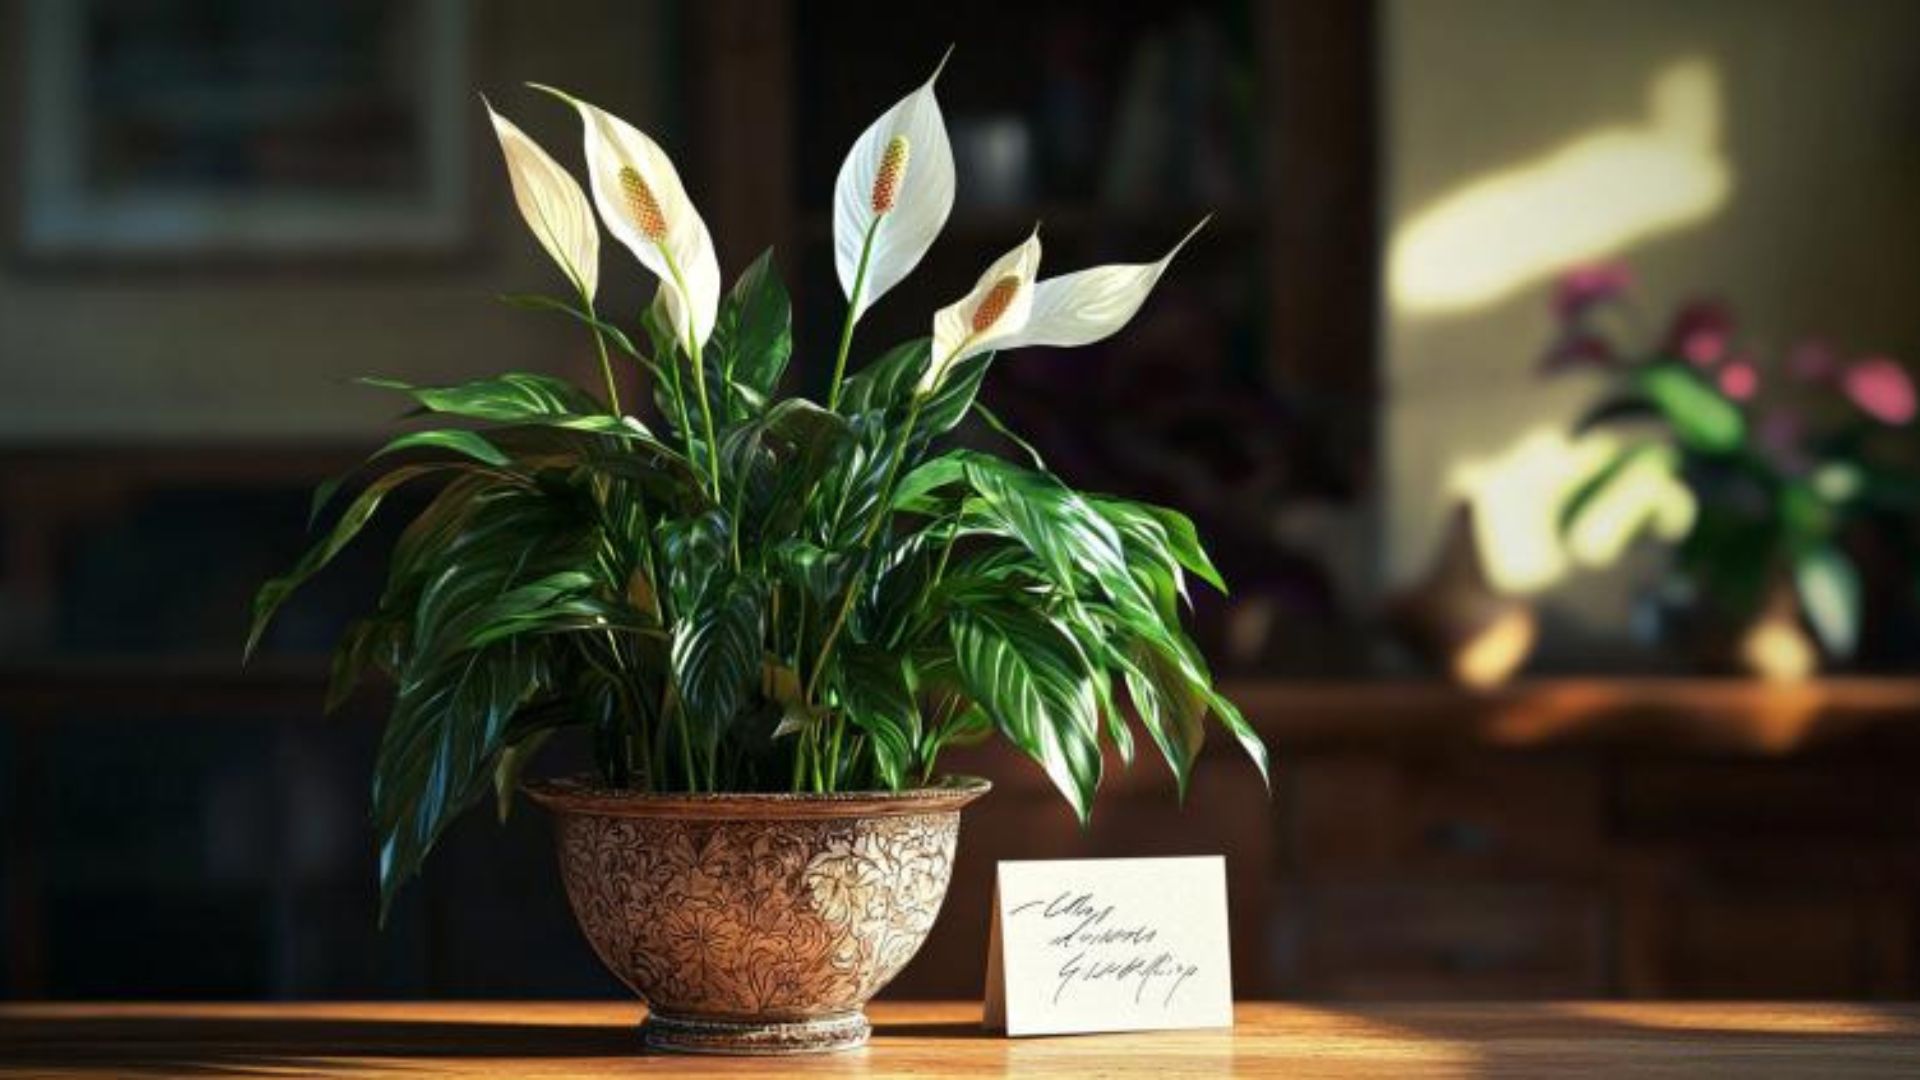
point(1103, 949)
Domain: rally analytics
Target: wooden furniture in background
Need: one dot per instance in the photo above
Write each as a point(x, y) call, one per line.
point(1564, 838)
point(529, 1040)
point(1561, 838)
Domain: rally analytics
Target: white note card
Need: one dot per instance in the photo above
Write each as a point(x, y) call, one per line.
point(1084, 945)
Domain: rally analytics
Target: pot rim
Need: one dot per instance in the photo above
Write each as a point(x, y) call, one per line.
point(583, 795)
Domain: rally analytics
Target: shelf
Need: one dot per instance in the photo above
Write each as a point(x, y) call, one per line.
point(1698, 715)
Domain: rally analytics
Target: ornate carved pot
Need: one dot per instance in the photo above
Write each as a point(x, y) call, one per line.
point(756, 923)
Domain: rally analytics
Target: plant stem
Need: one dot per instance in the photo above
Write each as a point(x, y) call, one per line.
point(686, 743)
point(659, 611)
point(818, 783)
point(606, 366)
point(833, 753)
point(680, 399)
point(946, 552)
point(699, 374)
point(853, 300)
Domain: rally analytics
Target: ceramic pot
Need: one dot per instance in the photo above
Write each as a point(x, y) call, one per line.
point(756, 923)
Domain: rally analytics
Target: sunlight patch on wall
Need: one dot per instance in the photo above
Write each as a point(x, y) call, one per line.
point(1517, 495)
point(1594, 196)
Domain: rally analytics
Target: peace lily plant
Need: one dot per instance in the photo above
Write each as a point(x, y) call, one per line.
point(748, 592)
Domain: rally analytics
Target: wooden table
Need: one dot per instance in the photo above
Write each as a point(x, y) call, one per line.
point(551, 1039)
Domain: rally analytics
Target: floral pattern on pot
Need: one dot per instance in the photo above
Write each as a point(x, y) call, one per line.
point(783, 919)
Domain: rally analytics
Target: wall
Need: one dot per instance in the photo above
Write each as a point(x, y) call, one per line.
point(1791, 196)
point(266, 352)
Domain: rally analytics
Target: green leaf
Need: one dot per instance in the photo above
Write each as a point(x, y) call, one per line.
point(465, 443)
point(901, 578)
point(437, 753)
point(1162, 537)
point(1172, 711)
point(537, 302)
point(822, 575)
point(948, 405)
point(1229, 716)
point(696, 552)
point(914, 491)
point(1588, 492)
point(1701, 417)
point(1184, 541)
point(776, 463)
point(1000, 428)
point(555, 601)
point(367, 643)
point(886, 384)
point(1061, 529)
point(1617, 410)
point(716, 653)
point(971, 726)
point(509, 398)
point(753, 332)
point(1830, 593)
point(518, 553)
point(1178, 682)
point(275, 592)
point(420, 552)
point(873, 689)
point(511, 765)
point(1024, 671)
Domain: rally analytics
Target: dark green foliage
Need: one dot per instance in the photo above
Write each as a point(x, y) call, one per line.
point(847, 604)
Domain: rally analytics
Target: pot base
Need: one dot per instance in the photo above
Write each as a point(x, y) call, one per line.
point(686, 1035)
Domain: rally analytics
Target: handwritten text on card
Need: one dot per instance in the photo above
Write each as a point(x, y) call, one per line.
point(1110, 945)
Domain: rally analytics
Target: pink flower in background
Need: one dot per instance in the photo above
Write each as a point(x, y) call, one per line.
point(1701, 332)
point(1813, 361)
point(1585, 286)
point(1881, 388)
point(1739, 380)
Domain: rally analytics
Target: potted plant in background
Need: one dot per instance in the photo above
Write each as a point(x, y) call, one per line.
point(768, 615)
point(1781, 484)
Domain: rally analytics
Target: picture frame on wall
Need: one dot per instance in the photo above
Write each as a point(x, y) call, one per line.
point(248, 129)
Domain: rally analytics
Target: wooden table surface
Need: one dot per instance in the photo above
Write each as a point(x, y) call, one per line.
point(550, 1039)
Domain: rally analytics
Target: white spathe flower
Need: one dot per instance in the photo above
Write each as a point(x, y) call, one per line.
point(990, 314)
point(897, 181)
point(551, 201)
point(1008, 310)
point(645, 207)
point(1083, 307)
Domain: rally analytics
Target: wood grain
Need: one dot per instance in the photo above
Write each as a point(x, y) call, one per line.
point(535, 1040)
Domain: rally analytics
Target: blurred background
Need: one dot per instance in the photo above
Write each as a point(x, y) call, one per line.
point(1559, 709)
